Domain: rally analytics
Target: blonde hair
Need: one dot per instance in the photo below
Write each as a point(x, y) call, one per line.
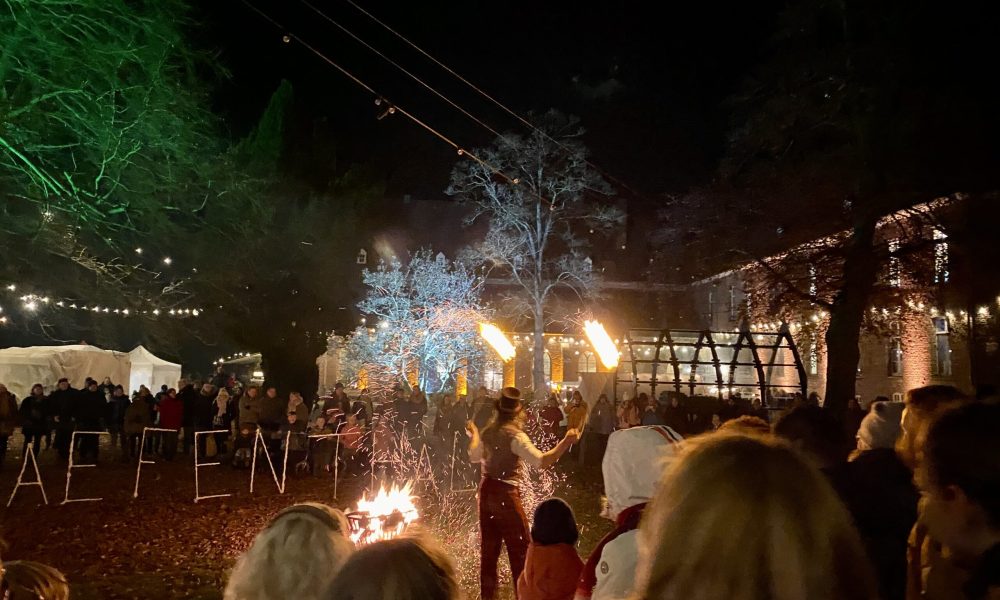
point(27, 580)
point(747, 518)
point(412, 567)
point(923, 406)
point(295, 556)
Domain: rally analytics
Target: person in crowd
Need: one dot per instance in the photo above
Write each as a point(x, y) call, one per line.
point(171, 411)
point(599, 427)
point(63, 402)
point(383, 439)
point(716, 422)
point(293, 437)
point(930, 572)
point(551, 416)
point(817, 433)
point(959, 480)
point(553, 566)
point(247, 423)
point(163, 392)
point(418, 408)
point(460, 414)
point(153, 438)
point(8, 419)
point(28, 580)
point(412, 567)
point(350, 444)
point(747, 424)
point(90, 413)
point(362, 408)
point(188, 396)
point(775, 507)
point(629, 414)
point(441, 416)
point(273, 413)
point(222, 418)
point(220, 379)
point(651, 416)
point(138, 416)
point(881, 497)
point(634, 461)
point(482, 408)
point(117, 406)
point(296, 555)
point(106, 388)
point(576, 417)
point(322, 449)
point(675, 416)
point(852, 420)
point(33, 416)
point(204, 414)
point(501, 449)
point(729, 409)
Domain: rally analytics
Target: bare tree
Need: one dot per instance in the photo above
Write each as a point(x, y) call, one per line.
point(540, 198)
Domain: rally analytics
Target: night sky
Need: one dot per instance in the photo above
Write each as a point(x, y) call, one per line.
point(648, 84)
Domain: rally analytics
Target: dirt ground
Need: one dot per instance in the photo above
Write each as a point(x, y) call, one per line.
point(163, 545)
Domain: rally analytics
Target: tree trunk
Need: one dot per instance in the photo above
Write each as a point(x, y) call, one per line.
point(538, 360)
point(846, 317)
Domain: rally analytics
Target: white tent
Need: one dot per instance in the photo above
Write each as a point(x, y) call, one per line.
point(151, 371)
point(20, 368)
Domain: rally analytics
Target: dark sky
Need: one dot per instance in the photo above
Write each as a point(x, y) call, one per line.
point(648, 83)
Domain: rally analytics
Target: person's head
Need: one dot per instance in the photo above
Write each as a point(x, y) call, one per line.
point(554, 523)
point(172, 393)
point(959, 479)
point(675, 402)
point(207, 389)
point(295, 398)
point(253, 391)
point(602, 399)
point(107, 381)
point(816, 432)
point(408, 567)
point(716, 421)
point(182, 383)
point(577, 397)
point(118, 391)
point(37, 390)
point(63, 384)
point(508, 406)
point(296, 556)
point(730, 497)
point(881, 426)
point(482, 392)
point(923, 406)
point(632, 464)
point(27, 580)
point(746, 424)
point(352, 419)
point(92, 385)
point(272, 392)
point(222, 397)
point(144, 391)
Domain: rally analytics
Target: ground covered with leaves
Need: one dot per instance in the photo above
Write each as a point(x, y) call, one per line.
point(163, 545)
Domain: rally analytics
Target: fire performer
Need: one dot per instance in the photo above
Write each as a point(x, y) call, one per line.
point(501, 449)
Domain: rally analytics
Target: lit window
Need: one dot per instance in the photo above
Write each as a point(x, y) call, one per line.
point(895, 360)
point(362, 257)
point(940, 256)
point(587, 363)
point(547, 365)
point(813, 356)
point(493, 376)
point(942, 348)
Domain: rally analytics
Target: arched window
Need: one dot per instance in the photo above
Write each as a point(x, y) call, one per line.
point(547, 365)
point(362, 257)
point(587, 363)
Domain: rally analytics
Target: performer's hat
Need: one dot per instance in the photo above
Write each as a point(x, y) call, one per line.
point(510, 400)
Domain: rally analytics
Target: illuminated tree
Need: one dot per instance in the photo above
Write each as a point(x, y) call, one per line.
point(539, 213)
point(422, 317)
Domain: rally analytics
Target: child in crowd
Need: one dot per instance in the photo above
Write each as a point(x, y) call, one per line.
point(553, 566)
point(322, 449)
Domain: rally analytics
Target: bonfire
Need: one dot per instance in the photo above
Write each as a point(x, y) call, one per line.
point(384, 516)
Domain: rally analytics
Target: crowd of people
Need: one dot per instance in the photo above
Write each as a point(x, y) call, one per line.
point(906, 507)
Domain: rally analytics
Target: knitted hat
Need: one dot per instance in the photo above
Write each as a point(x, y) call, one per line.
point(881, 426)
point(510, 400)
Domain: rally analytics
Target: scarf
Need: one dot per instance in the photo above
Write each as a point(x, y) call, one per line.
point(221, 403)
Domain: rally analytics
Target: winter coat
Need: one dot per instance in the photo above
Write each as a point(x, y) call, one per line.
point(297, 441)
point(628, 415)
point(171, 411)
point(602, 418)
point(117, 407)
point(651, 417)
point(458, 417)
point(8, 413)
point(676, 418)
point(138, 415)
point(33, 415)
point(576, 418)
point(632, 466)
point(249, 410)
point(204, 411)
point(482, 413)
point(272, 412)
point(90, 410)
point(550, 417)
point(351, 437)
point(550, 573)
point(62, 404)
point(189, 398)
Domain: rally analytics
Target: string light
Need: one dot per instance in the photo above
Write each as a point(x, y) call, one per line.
point(34, 303)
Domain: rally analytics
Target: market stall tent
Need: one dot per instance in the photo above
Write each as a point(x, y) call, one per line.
point(151, 371)
point(20, 368)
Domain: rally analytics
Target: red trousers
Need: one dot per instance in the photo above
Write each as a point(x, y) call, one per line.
point(501, 520)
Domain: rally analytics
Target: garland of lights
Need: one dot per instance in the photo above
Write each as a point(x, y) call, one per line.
point(32, 303)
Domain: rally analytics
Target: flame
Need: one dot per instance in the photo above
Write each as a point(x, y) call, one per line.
point(494, 337)
point(383, 516)
point(601, 341)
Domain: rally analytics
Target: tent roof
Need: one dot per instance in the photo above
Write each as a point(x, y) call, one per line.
point(140, 355)
point(41, 351)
